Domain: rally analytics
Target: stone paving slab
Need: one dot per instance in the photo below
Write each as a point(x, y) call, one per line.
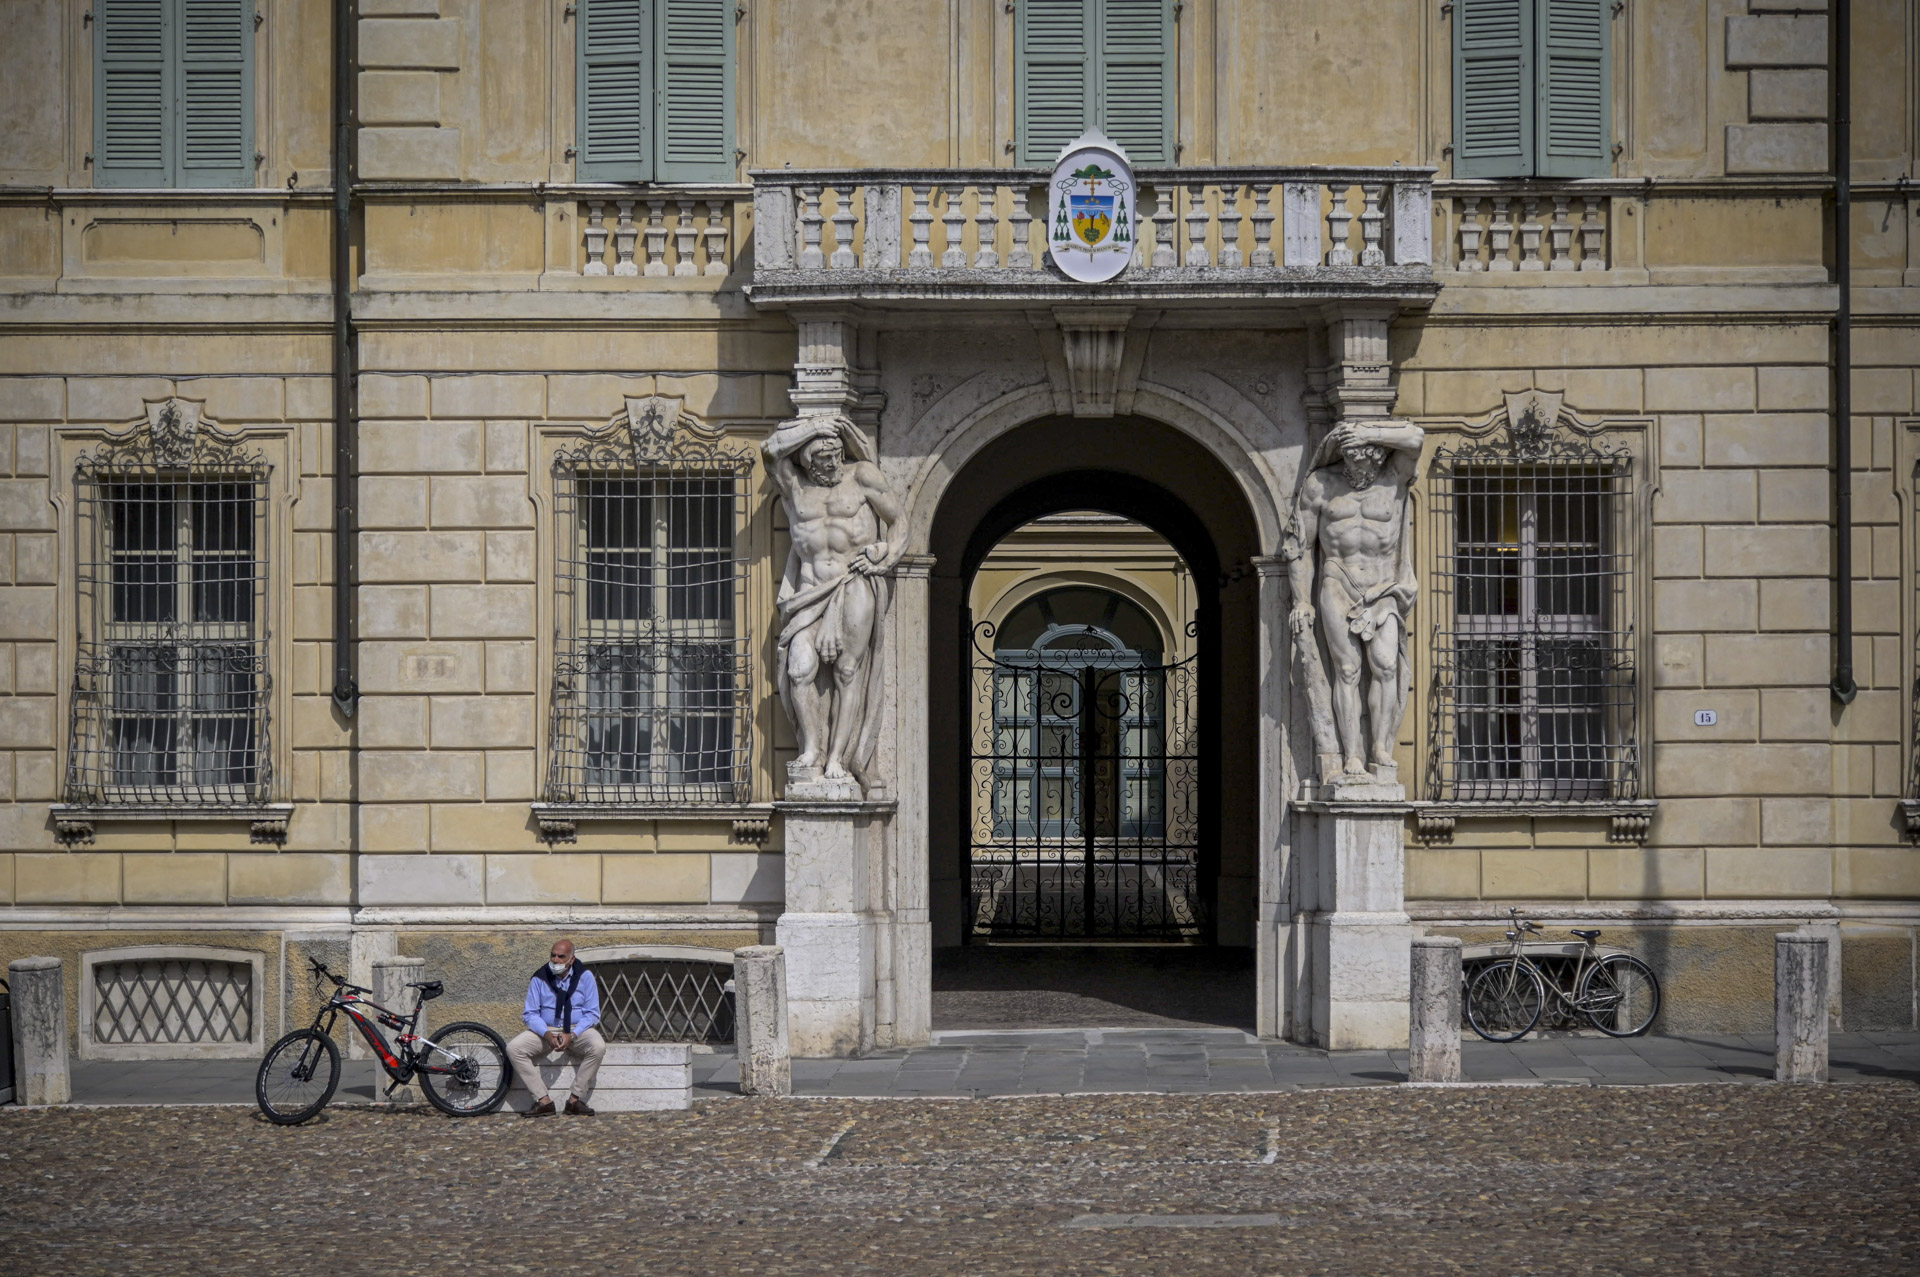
point(1117, 1060)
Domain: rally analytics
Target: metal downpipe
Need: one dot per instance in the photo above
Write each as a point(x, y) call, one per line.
point(346, 693)
point(1844, 687)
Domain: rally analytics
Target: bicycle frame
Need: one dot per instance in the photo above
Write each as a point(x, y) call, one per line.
point(1588, 956)
point(409, 1053)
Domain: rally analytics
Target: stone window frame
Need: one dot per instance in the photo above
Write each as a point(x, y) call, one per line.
point(750, 819)
point(91, 1048)
point(276, 444)
point(1532, 422)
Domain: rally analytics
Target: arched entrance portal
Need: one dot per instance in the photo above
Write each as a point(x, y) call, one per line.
point(1164, 480)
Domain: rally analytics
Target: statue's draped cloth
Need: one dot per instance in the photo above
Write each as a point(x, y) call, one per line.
point(804, 606)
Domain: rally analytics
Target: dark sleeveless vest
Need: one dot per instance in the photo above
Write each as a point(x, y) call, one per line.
point(563, 990)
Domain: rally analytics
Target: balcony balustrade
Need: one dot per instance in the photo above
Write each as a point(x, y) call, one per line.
point(1200, 234)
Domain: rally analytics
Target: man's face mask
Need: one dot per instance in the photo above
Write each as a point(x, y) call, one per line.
point(559, 965)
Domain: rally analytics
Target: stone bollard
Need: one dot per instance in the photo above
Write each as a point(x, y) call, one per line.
point(1435, 1038)
point(1800, 995)
point(390, 979)
point(760, 1020)
point(40, 1074)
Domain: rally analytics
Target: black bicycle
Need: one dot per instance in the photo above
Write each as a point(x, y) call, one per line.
point(462, 1067)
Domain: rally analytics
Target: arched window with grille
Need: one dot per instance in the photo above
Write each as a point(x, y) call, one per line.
point(171, 681)
point(1534, 695)
point(652, 672)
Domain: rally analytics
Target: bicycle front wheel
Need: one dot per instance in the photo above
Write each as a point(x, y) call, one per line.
point(465, 1071)
point(298, 1077)
point(1504, 1000)
point(1620, 996)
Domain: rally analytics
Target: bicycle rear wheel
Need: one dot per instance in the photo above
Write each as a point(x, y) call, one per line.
point(298, 1077)
point(1504, 1000)
point(468, 1074)
point(1620, 996)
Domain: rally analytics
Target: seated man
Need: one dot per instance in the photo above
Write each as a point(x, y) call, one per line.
point(563, 1005)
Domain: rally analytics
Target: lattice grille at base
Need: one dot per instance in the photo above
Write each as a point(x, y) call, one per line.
point(662, 1000)
point(172, 1000)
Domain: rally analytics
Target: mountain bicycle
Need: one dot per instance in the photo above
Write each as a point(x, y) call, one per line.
point(1613, 991)
point(462, 1067)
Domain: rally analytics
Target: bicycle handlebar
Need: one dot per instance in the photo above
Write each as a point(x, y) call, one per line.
point(339, 982)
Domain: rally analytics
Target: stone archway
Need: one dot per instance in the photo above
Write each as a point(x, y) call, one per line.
point(1172, 483)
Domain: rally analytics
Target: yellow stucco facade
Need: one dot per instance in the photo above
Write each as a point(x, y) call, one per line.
point(1679, 308)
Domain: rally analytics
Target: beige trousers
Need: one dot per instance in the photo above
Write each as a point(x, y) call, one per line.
point(587, 1051)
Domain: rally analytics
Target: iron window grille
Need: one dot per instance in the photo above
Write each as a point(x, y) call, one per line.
point(172, 1000)
point(172, 680)
point(1534, 694)
point(665, 1000)
point(652, 676)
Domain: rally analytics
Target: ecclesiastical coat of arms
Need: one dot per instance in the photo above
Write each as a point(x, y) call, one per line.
point(1090, 210)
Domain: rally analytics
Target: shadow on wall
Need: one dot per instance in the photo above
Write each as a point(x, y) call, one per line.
point(1092, 986)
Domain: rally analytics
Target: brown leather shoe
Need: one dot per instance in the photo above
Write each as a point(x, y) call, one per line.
point(577, 1107)
point(544, 1108)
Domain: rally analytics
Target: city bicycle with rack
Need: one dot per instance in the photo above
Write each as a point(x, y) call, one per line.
point(1609, 988)
point(462, 1067)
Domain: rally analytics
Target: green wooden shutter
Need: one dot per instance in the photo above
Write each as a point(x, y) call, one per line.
point(694, 132)
point(615, 78)
point(214, 87)
point(132, 133)
point(1053, 84)
point(1575, 102)
point(1493, 96)
point(1134, 78)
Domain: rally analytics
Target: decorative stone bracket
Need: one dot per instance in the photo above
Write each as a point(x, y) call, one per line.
point(1628, 822)
point(751, 824)
point(1102, 361)
point(73, 825)
point(1910, 808)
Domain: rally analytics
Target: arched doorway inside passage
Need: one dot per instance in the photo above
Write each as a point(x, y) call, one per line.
point(1162, 479)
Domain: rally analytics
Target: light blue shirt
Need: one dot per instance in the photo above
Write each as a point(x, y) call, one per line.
point(543, 1009)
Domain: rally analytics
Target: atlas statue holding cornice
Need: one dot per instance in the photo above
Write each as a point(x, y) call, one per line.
point(1349, 556)
point(846, 524)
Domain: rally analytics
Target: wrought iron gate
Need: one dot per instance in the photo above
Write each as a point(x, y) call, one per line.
point(1083, 775)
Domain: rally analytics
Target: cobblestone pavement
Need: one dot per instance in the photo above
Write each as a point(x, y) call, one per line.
point(1701, 1179)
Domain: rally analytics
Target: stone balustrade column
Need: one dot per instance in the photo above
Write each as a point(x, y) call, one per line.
point(760, 1020)
point(390, 979)
point(1800, 994)
point(40, 1072)
point(1435, 1031)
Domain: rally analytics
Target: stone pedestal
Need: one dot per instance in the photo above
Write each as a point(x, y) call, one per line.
point(1359, 938)
point(760, 1020)
point(390, 979)
point(1433, 1053)
point(40, 1072)
point(1800, 1006)
point(834, 860)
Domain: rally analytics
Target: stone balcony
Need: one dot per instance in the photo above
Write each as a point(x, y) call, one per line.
point(1204, 236)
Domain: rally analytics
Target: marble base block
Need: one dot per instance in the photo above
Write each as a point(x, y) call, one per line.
point(761, 1037)
point(40, 1070)
point(1433, 1053)
point(1800, 1006)
point(636, 1077)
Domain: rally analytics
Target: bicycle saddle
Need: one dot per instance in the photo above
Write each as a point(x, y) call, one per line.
point(431, 989)
point(1584, 935)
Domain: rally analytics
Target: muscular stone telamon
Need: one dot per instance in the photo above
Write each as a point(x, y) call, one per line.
point(845, 520)
point(1349, 553)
